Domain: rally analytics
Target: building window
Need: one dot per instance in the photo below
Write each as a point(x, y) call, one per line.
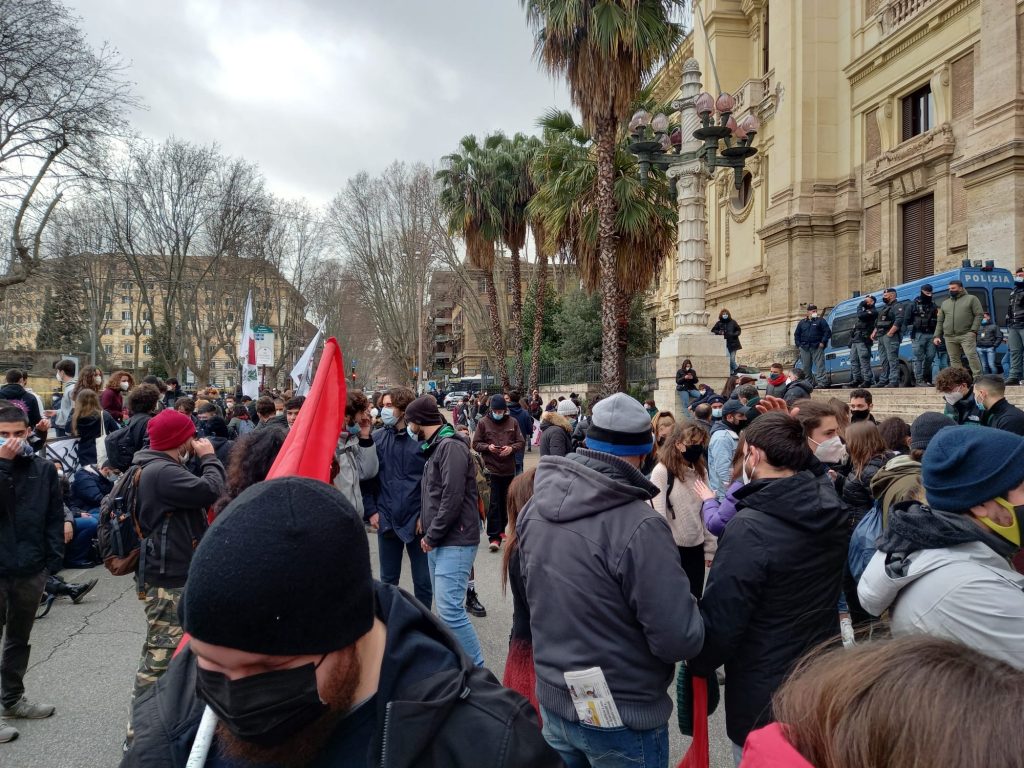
point(147, 348)
point(917, 219)
point(765, 64)
point(128, 349)
point(742, 196)
point(481, 285)
point(126, 314)
point(125, 332)
point(108, 316)
point(126, 286)
point(108, 348)
point(918, 113)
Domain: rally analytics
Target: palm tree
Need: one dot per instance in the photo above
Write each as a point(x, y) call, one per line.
point(606, 49)
point(467, 195)
point(566, 205)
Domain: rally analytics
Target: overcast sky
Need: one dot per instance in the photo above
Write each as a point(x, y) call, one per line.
point(317, 90)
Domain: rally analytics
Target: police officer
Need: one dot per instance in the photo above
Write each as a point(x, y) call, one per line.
point(921, 320)
point(860, 344)
point(889, 333)
point(1015, 330)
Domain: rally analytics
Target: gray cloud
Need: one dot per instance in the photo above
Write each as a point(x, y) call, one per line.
point(317, 90)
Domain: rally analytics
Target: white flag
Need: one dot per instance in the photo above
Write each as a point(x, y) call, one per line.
point(247, 354)
point(302, 373)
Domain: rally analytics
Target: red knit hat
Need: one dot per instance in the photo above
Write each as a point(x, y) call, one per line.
point(169, 429)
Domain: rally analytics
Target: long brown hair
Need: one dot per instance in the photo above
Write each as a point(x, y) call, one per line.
point(114, 382)
point(87, 403)
point(85, 380)
point(689, 433)
point(863, 443)
point(861, 706)
point(519, 492)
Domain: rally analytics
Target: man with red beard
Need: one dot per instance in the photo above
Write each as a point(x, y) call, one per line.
point(306, 660)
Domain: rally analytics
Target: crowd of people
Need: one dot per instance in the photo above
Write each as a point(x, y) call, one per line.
point(831, 570)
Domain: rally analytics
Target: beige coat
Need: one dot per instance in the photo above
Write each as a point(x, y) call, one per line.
point(687, 524)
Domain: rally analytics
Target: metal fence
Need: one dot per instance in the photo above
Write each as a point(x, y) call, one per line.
point(639, 370)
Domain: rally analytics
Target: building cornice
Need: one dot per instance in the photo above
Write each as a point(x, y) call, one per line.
point(918, 151)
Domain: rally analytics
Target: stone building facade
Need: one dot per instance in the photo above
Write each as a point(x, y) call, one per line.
point(891, 147)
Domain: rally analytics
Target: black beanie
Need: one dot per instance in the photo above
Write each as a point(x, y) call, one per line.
point(284, 571)
point(423, 411)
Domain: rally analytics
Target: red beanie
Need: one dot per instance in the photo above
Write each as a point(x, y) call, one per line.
point(169, 429)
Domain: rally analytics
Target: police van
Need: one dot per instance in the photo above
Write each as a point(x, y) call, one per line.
point(992, 286)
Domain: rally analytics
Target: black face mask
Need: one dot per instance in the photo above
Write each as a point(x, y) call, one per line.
point(263, 709)
point(953, 294)
point(693, 453)
point(738, 427)
point(859, 415)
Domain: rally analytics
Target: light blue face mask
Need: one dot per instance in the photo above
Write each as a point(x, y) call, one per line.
point(26, 449)
point(387, 415)
point(497, 416)
point(413, 435)
point(716, 413)
point(353, 429)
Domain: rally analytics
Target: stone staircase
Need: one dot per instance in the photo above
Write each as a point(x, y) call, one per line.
point(908, 403)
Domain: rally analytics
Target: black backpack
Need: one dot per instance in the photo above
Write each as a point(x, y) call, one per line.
point(119, 536)
point(121, 444)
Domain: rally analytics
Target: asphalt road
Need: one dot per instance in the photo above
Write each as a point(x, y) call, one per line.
point(84, 658)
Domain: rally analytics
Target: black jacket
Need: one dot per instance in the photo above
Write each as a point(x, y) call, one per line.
point(989, 336)
point(686, 380)
point(812, 332)
point(1004, 415)
point(857, 488)
point(89, 432)
point(555, 439)
point(448, 494)
point(172, 504)
point(798, 390)
point(1015, 309)
point(890, 316)
point(31, 517)
point(922, 316)
point(866, 317)
point(772, 592)
point(434, 708)
point(731, 330)
point(17, 392)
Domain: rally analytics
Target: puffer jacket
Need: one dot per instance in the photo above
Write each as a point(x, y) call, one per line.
point(31, 517)
point(598, 561)
point(396, 495)
point(682, 510)
point(959, 316)
point(966, 592)
point(555, 435)
point(857, 488)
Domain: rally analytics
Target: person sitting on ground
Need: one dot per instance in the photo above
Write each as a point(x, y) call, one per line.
point(943, 568)
point(900, 479)
point(956, 385)
point(90, 484)
point(360, 676)
point(850, 708)
point(895, 434)
point(989, 393)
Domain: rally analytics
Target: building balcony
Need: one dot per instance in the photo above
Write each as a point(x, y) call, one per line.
point(897, 13)
point(441, 357)
point(442, 338)
point(441, 321)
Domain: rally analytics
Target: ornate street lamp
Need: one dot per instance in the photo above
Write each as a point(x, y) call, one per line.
point(726, 143)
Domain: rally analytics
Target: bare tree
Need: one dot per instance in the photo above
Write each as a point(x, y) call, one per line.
point(59, 101)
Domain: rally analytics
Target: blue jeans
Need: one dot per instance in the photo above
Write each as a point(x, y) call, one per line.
point(988, 359)
point(520, 456)
point(924, 356)
point(1015, 343)
point(389, 549)
point(78, 553)
point(449, 572)
point(582, 746)
point(941, 361)
point(685, 396)
point(732, 361)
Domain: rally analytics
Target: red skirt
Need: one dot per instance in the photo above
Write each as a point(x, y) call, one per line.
point(520, 675)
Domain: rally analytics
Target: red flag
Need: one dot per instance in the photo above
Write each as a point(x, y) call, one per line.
point(698, 755)
point(313, 438)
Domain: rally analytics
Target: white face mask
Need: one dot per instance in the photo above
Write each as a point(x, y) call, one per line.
point(59, 377)
point(748, 477)
point(814, 315)
point(952, 398)
point(124, 386)
point(97, 380)
point(832, 451)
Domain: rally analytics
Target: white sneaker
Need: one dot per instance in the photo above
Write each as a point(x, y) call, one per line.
point(846, 630)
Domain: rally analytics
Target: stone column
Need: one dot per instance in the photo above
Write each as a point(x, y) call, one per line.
point(691, 338)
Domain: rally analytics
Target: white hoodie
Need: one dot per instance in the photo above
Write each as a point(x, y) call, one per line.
point(966, 593)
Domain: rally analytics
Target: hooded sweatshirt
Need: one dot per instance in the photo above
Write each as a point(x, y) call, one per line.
point(892, 483)
point(768, 747)
point(772, 591)
point(942, 574)
point(605, 586)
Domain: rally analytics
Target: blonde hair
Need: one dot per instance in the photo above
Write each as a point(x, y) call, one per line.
point(87, 403)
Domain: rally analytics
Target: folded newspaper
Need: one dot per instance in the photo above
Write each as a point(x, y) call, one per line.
point(592, 698)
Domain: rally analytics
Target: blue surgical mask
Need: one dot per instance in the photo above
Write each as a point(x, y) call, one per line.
point(497, 416)
point(387, 415)
point(413, 435)
point(353, 429)
point(26, 449)
point(716, 413)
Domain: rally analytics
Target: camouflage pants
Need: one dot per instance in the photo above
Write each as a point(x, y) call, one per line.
point(163, 633)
